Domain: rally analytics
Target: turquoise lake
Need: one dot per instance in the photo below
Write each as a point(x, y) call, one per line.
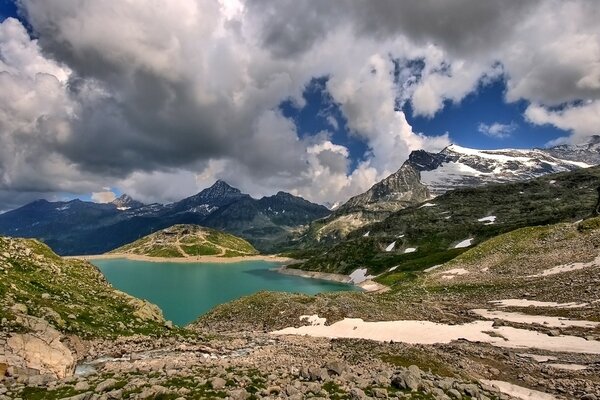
point(184, 291)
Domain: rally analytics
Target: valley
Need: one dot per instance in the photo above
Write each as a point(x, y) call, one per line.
point(483, 292)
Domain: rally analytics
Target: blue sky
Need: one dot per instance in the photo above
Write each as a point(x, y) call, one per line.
point(132, 99)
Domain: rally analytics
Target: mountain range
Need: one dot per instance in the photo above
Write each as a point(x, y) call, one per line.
point(425, 175)
point(78, 227)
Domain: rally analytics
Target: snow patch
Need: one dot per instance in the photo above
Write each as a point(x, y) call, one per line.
point(427, 332)
point(123, 208)
point(410, 250)
point(360, 275)
point(432, 268)
point(567, 268)
point(518, 392)
point(464, 243)
point(537, 357)
point(367, 234)
point(554, 322)
point(567, 367)
point(393, 268)
point(533, 303)
point(390, 246)
point(314, 319)
point(488, 220)
point(428, 205)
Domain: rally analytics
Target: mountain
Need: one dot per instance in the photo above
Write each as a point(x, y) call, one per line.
point(457, 166)
point(426, 175)
point(125, 202)
point(79, 227)
point(433, 232)
point(188, 241)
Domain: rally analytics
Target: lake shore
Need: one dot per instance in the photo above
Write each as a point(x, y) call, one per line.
point(367, 285)
point(198, 259)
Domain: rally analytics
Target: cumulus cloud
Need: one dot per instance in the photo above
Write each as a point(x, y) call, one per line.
point(583, 120)
point(497, 130)
point(105, 196)
point(160, 99)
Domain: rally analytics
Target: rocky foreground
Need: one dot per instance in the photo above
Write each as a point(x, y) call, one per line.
point(67, 334)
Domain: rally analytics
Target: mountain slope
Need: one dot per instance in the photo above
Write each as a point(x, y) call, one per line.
point(425, 175)
point(457, 166)
point(424, 235)
point(78, 227)
point(188, 241)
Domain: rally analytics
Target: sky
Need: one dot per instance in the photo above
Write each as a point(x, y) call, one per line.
point(158, 99)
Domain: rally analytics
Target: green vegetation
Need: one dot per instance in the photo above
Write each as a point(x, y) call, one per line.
point(70, 294)
point(434, 231)
point(188, 241)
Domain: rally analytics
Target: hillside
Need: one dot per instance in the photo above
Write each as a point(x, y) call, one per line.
point(188, 241)
point(436, 231)
point(426, 175)
point(49, 304)
point(78, 227)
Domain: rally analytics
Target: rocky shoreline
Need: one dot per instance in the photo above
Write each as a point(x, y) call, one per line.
point(367, 285)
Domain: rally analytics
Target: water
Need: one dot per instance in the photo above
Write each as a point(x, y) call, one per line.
point(184, 291)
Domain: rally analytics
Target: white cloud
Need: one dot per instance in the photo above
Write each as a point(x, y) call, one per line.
point(160, 99)
point(582, 120)
point(105, 196)
point(497, 130)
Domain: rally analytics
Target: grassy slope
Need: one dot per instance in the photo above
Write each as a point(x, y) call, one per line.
point(189, 240)
point(509, 258)
point(434, 231)
point(71, 294)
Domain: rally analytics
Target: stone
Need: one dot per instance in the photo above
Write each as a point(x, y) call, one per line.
point(42, 350)
point(218, 383)
point(45, 296)
point(40, 380)
point(82, 386)
point(335, 367)
point(19, 308)
point(357, 394)
point(168, 324)
point(106, 385)
point(380, 393)
point(238, 394)
point(81, 396)
point(455, 394)
point(589, 396)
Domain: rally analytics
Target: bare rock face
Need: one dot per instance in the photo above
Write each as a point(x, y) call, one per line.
point(41, 350)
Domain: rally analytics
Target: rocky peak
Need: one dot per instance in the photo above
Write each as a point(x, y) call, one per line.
point(397, 191)
point(126, 202)
point(219, 189)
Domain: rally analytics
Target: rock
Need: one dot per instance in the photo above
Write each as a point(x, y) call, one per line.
point(45, 296)
point(41, 349)
point(19, 308)
point(335, 367)
point(589, 396)
point(471, 390)
point(238, 394)
point(218, 383)
point(40, 380)
point(315, 373)
point(357, 394)
point(106, 385)
point(3, 369)
point(81, 396)
point(153, 392)
point(168, 324)
point(380, 393)
point(455, 394)
point(406, 380)
point(82, 386)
